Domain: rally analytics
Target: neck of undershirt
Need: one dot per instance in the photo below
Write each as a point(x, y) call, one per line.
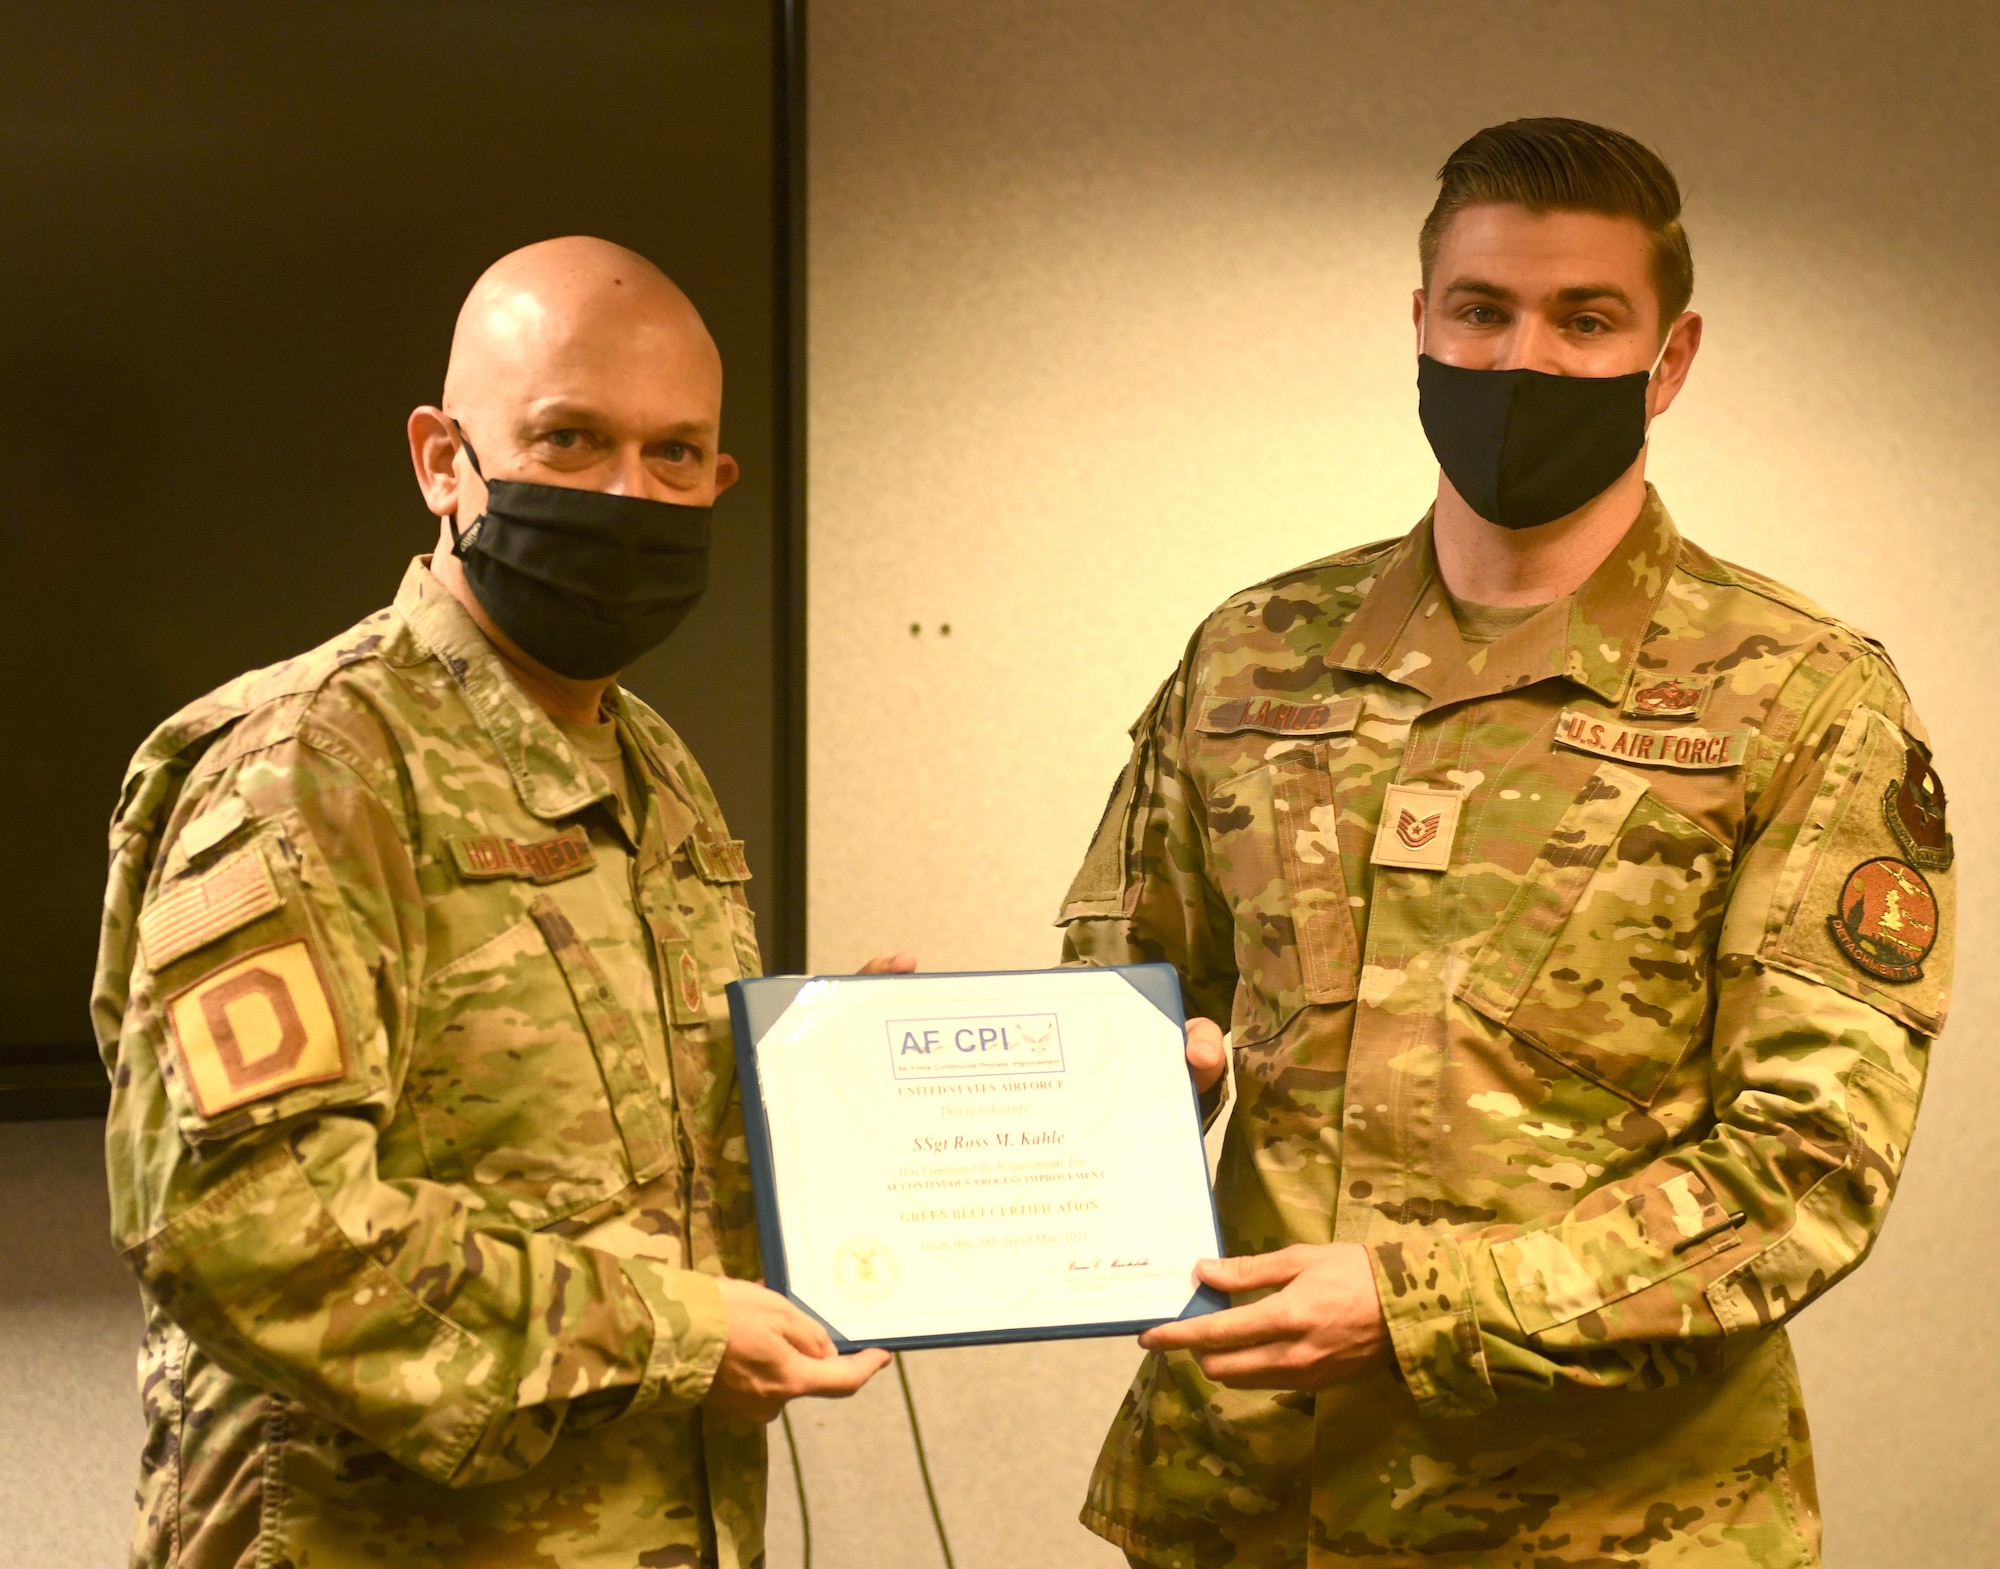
point(1483, 624)
point(601, 748)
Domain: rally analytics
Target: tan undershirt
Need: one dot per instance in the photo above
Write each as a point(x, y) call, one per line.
point(602, 749)
point(1484, 624)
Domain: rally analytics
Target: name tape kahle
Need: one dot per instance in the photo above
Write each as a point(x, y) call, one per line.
point(1279, 716)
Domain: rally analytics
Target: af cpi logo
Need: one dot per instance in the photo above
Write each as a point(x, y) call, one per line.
point(980, 1044)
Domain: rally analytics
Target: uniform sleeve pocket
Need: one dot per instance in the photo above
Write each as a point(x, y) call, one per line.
point(1859, 907)
point(1601, 958)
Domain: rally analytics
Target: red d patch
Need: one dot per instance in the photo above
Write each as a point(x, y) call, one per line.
point(1887, 921)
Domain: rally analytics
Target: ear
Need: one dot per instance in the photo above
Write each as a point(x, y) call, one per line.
point(1675, 363)
point(434, 455)
point(1417, 316)
point(727, 472)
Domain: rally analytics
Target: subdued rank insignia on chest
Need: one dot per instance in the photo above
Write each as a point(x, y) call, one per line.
point(1279, 716)
point(541, 860)
point(197, 910)
point(1887, 921)
point(1689, 749)
point(1668, 698)
point(719, 860)
point(685, 984)
point(1914, 807)
point(255, 1028)
point(1418, 826)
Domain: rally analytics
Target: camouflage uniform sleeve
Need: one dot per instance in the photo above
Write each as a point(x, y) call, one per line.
point(1144, 893)
point(249, 1201)
point(1820, 1042)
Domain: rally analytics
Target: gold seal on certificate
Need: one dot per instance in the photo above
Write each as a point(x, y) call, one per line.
point(946, 1159)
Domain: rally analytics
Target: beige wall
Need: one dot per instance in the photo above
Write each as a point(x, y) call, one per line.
point(1110, 317)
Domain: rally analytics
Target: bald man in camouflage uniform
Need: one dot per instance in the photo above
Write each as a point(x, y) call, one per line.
point(1581, 962)
point(425, 1141)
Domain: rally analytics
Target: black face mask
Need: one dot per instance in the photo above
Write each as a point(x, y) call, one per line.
point(1525, 448)
point(582, 581)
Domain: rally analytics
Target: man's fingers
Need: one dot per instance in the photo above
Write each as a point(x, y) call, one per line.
point(1259, 1367)
point(1206, 1053)
point(890, 964)
point(837, 1377)
point(1225, 1331)
point(1253, 1271)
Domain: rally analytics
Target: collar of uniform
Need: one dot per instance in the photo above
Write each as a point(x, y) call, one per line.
point(1405, 631)
point(552, 781)
point(678, 812)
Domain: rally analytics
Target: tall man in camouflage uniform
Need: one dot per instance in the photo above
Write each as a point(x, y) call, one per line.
point(1580, 908)
point(425, 1142)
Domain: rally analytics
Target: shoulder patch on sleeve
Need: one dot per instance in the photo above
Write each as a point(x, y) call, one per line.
point(197, 910)
point(255, 1028)
point(1854, 911)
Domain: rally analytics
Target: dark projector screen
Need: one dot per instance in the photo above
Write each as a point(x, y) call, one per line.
point(236, 237)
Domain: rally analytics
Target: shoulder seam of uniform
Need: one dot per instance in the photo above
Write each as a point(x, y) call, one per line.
point(1728, 574)
point(1345, 558)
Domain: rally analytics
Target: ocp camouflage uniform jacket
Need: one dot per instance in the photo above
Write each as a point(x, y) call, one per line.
point(424, 1140)
point(1607, 1099)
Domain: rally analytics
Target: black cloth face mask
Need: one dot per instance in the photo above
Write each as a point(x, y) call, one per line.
point(582, 581)
point(1524, 447)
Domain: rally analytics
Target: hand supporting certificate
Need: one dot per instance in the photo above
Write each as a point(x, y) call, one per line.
point(949, 1159)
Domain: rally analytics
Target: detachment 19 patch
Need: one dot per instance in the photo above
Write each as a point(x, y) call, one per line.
point(256, 1027)
point(1887, 922)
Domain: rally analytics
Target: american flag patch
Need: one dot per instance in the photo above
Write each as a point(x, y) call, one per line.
point(200, 909)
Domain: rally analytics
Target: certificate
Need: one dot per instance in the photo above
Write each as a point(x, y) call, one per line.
point(951, 1159)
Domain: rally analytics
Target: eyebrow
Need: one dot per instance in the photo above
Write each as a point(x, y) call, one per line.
point(557, 414)
point(1575, 294)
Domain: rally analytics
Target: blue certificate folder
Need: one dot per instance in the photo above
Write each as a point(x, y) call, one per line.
point(755, 1006)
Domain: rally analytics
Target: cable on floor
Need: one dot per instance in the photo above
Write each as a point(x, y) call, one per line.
point(799, 1486)
point(923, 1462)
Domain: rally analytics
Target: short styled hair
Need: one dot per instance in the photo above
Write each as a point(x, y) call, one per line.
point(1556, 165)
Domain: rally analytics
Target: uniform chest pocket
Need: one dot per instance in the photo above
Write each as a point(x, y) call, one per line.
point(1603, 958)
point(1277, 861)
point(528, 1078)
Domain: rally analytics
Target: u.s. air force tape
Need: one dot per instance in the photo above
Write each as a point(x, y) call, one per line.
point(1687, 748)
